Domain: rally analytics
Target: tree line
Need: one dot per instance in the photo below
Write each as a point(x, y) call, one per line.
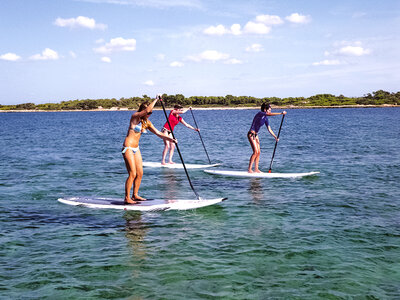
point(326, 100)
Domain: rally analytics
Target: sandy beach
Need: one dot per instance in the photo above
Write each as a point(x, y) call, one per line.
point(206, 108)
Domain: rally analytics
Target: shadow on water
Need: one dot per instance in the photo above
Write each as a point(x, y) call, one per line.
point(256, 190)
point(171, 183)
point(135, 232)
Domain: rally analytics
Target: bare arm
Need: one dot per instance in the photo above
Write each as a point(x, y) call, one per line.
point(185, 110)
point(276, 114)
point(148, 109)
point(160, 135)
point(272, 133)
point(188, 125)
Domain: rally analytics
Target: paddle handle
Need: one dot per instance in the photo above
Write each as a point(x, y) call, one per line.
point(180, 154)
point(194, 119)
point(276, 144)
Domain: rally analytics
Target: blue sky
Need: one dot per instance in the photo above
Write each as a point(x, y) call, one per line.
point(57, 50)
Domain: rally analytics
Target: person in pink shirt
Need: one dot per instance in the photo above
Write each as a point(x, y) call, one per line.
point(174, 119)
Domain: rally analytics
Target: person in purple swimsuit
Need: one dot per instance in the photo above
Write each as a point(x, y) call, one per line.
point(259, 120)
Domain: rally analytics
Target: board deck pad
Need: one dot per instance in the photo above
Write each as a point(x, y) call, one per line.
point(177, 165)
point(258, 175)
point(148, 205)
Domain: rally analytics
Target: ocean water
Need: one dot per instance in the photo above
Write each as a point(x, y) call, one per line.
point(331, 236)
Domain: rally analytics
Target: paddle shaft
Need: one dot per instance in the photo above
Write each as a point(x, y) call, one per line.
point(180, 154)
point(276, 143)
point(200, 136)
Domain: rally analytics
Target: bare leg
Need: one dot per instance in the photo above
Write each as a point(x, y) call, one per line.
point(130, 167)
point(139, 175)
point(255, 157)
point(171, 152)
point(257, 160)
point(164, 154)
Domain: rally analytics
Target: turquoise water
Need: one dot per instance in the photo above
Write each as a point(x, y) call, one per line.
point(332, 236)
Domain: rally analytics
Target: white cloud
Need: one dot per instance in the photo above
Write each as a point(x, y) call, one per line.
point(256, 28)
point(117, 44)
point(72, 54)
point(176, 64)
point(10, 57)
point(344, 48)
point(236, 29)
point(208, 55)
point(269, 20)
point(221, 30)
point(298, 19)
point(149, 83)
point(327, 62)
point(216, 30)
point(160, 57)
point(233, 61)
point(47, 54)
point(213, 56)
point(106, 59)
point(261, 25)
point(353, 51)
point(255, 48)
point(80, 21)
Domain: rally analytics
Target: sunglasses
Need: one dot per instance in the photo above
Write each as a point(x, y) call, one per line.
point(149, 113)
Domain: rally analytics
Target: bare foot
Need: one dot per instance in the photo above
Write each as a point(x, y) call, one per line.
point(257, 171)
point(138, 198)
point(171, 162)
point(163, 163)
point(129, 201)
point(250, 171)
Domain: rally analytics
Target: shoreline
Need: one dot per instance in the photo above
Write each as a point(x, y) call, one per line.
point(207, 108)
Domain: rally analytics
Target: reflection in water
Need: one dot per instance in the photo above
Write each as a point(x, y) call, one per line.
point(171, 183)
point(136, 231)
point(256, 190)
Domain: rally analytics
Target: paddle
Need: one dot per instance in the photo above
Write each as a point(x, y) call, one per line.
point(200, 136)
point(177, 148)
point(276, 143)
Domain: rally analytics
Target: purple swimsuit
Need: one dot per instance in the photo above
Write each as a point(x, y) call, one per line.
point(259, 120)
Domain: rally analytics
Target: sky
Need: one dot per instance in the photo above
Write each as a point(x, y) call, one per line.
point(60, 50)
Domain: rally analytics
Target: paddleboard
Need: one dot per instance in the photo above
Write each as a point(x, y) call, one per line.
point(148, 205)
point(258, 175)
point(177, 165)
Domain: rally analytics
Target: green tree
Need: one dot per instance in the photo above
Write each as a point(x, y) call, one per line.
point(28, 106)
point(180, 99)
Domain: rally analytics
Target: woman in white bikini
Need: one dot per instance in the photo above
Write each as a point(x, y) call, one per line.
point(133, 159)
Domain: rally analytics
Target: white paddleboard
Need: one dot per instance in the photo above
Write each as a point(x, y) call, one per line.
point(177, 165)
point(148, 205)
point(258, 175)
